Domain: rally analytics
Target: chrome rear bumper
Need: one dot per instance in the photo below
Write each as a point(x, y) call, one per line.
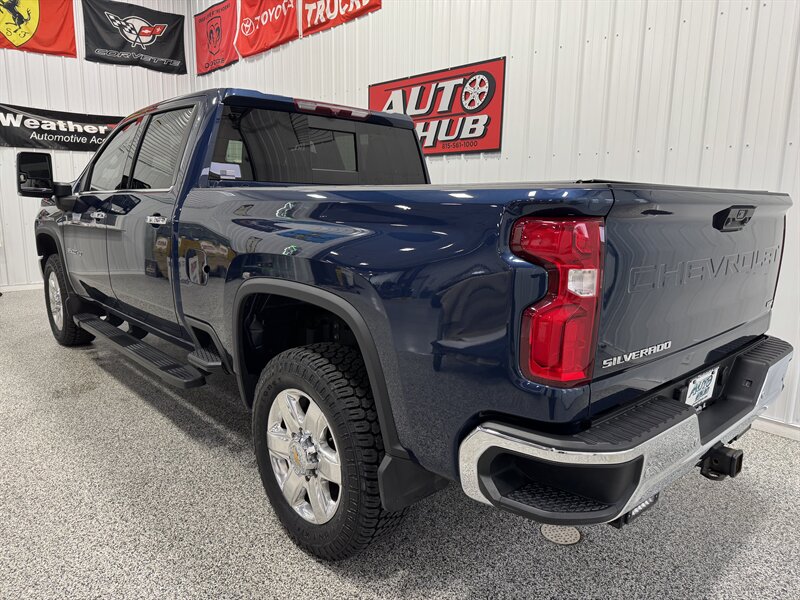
point(652, 464)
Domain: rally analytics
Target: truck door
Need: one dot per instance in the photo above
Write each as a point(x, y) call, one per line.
point(85, 227)
point(140, 250)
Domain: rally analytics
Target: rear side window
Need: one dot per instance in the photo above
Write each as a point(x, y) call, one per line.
point(109, 172)
point(271, 146)
point(161, 149)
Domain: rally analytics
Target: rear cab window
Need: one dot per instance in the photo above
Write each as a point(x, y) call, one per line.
point(271, 146)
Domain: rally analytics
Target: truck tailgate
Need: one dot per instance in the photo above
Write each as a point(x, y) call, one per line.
point(683, 266)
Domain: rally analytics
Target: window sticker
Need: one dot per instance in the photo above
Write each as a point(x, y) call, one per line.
point(234, 152)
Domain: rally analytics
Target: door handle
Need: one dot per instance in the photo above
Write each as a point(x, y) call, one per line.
point(157, 220)
point(98, 215)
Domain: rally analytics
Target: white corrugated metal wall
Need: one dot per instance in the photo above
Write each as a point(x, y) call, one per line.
point(675, 91)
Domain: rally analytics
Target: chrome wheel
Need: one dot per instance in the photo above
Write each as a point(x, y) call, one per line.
point(56, 306)
point(304, 456)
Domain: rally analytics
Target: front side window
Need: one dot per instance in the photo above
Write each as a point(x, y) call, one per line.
point(161, 149)
point(109, 172)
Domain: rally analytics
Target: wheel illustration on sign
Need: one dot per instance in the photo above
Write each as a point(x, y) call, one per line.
point(477, 91)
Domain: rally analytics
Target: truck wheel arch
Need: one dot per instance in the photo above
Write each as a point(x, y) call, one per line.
point(46, 245)
point(339, 307)
point(402, 481)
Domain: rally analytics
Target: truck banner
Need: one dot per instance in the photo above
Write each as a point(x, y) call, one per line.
point(128, 34)
point(455, 111)
point(323, 14)
point(214, 33)
point(265, 24)
point(45, 26)
point(23, 127)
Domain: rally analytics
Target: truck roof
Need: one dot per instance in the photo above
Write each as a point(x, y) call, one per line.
point(243, 96)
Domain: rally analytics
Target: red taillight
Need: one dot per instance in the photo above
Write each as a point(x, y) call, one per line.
point(559, 333)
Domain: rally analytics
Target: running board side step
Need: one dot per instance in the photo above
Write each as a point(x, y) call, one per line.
point(206, 359)
point(162, 365)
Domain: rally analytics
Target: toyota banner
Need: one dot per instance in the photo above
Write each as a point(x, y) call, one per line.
point(265, 24)
point(455, 111)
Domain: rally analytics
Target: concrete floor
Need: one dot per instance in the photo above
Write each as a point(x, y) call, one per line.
point(112, 485)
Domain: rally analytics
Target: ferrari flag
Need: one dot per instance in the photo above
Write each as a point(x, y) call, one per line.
point(214, 32)
point(45, 26)
point(264, 24)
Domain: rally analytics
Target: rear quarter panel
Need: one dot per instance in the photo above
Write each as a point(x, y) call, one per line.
point(428, 269)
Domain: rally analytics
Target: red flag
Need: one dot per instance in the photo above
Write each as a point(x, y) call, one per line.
point(264, 24)
point(324, 14)
point(35, 26)
point(214, 32)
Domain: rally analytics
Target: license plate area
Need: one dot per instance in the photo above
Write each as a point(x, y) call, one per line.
point(700, 389)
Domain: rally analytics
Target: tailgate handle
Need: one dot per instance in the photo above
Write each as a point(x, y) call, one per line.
point(733, 218)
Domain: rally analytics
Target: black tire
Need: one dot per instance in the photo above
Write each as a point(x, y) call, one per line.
point(335, 376)
point(68, 334)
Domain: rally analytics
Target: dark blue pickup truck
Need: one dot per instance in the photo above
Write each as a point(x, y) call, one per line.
point(563, 350)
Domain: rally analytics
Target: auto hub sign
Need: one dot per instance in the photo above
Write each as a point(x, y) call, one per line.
point(455, 110)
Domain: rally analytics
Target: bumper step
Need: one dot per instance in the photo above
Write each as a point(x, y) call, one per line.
point(622, 430)
point(551, 499)
point(616, 468)
point(162, 365)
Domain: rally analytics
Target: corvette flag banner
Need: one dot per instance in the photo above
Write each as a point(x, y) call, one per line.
point(214, 32)
point(45, 26)
point(264, 24)
point(127, 34)
point(321, 15)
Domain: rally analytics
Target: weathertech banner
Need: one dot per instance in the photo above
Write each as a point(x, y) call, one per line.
point(127, 34)
point(214, 32)
point(323, 14)
point(264, 24)
point(456, 110)
point(45, 26)
point(23, 127)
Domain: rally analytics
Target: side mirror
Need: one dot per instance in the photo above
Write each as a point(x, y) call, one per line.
point(34, 174)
